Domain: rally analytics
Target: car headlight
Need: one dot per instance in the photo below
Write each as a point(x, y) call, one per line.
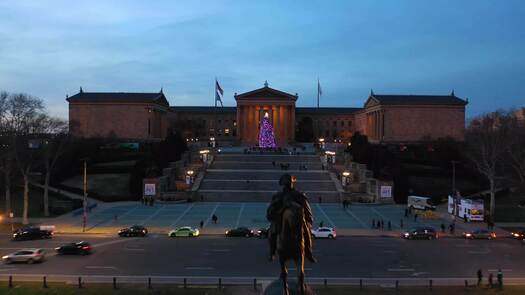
point(5, 257)
point(406, 234)
point(227, 232)
point(468, 235)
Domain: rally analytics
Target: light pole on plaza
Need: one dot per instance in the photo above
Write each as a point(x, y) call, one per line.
point(84, 202)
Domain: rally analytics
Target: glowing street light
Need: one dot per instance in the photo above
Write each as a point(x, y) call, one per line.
point(189, 177)
point(345, 180)
point(321, 143)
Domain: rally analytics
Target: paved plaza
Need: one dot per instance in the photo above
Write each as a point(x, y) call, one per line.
point(163, 217)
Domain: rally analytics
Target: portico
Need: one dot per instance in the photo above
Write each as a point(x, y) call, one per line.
point(254, 105)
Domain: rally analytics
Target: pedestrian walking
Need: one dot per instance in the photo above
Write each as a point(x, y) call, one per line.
point(382, 224)
point(443, 228)
point(378, 224)
point(214, 218)
point(406, 212)
point(415, 217)
point(465, 218)
point(201, 224)
point(389, 225)
point(401, 223)
point(321, 223)
point(320, 200)
point(480, 277)
point(373, 223)
point(491, 280)
point(500, 279)
point(273, 163)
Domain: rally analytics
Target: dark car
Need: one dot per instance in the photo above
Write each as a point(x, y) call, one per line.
point(262, 233)
point(239, 232)
point(80, 248)
point(479, 234)
point(31, 233)
point(428, 233)
point(133, 231)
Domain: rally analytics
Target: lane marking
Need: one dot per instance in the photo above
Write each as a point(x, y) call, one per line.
point(123, 240)
point(182, 215)
point(356, 218)
point(211, 214)
point(293, 268)
point(100, 267)
point(152, 215)
point(239, 216)
point(199, 268)
point(326, 216)
point(400, 269)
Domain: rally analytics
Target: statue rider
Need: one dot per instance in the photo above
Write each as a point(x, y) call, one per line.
point(274, 214)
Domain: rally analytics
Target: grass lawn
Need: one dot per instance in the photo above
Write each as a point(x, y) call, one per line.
point(105, 289)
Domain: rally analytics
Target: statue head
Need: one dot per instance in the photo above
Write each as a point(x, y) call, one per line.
point(287, 181)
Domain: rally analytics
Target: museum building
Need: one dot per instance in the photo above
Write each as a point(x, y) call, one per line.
point(383, 118)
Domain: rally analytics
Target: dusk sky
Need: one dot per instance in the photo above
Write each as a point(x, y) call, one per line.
point(51, 48)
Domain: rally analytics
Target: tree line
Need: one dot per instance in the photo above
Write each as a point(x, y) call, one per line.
point(30, 140)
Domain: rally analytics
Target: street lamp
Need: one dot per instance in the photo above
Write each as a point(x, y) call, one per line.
point(321, 143)
point(345, 178)
point(204, 155)
point(189, 177)
point(84, 202)
point(212, 142)
point(329, 157)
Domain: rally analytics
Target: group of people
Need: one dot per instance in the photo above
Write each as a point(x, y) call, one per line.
point(283, 166)
point(491, 279)
point(408, 212)
point(148, 201)
point(346, 203)
point(380, 224)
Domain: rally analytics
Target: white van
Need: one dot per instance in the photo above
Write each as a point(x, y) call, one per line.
point(421, 203)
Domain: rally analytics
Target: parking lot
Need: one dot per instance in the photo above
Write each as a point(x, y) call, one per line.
point(230, 214)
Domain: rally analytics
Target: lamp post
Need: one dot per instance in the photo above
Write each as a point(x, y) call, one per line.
point(11, 215)
point(344, 179)
point(84, 202)
point(212, 142)
point(321, 143)
point(189, 177)
point(204, 156)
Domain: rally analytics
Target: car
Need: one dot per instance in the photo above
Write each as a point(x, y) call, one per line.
point(29, 256)
point(262, 233)
point(184, 231)
point(80, 248)
point(133, 231)
point(31, 233)
point(428, 233)
point(324, 232)
point(239, 232)
point(518, 234)
point(479, 234)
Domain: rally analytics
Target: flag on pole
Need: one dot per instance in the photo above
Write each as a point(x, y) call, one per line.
point(319, 91)
point(218, 93)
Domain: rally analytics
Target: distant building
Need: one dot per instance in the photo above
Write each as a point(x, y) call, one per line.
point(384, 118)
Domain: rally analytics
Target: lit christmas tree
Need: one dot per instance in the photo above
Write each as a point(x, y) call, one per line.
point(266, 135)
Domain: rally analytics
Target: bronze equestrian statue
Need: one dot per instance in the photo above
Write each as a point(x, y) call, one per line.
point(290, 233)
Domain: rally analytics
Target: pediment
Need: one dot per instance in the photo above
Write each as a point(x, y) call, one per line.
point(266, 92)
point(371, 101)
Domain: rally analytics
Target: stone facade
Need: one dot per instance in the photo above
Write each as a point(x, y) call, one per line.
point(384, 118)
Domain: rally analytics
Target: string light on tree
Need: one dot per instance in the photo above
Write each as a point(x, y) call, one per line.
point(266, 134)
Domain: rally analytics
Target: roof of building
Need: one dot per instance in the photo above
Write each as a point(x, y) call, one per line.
point(417, 99)
point(266, 91)
point(119, 97)
point(197, 109)
point(332, 110)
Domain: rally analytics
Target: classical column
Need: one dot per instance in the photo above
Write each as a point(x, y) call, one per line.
point(277, 126)
point(237, 118)
point(292, 120)
point(284, 128)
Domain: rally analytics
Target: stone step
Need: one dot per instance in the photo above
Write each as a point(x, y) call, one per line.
point(266, 185)
point(264, 175)
point(266, 158)
point(262, 166)
point(265, 196)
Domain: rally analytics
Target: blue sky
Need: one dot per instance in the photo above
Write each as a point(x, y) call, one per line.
point(51, 48)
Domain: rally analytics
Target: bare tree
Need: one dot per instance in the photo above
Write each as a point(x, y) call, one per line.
point(6, 151)
point(53, 147)
point(24, 116)
point(516, 149)
point(487, 140)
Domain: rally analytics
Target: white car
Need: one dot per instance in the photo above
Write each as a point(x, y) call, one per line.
point(324, 232)
point(25, 255)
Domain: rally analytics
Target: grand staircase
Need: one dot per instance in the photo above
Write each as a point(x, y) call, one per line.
point(239, 177)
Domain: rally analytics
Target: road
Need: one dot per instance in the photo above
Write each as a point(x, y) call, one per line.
point(368, 257)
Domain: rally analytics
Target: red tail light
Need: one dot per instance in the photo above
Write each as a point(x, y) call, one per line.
point(86, 248)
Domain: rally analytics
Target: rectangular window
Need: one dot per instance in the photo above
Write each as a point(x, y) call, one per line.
point(342, 123)
point(335, 123)
point(149, 127)
point(349, 123)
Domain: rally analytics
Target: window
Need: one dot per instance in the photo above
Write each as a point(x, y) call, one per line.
point(349, 123)
point(234, 123)
point(342, 123)
point(149, 126)
point(219, 121)
point(335, 123)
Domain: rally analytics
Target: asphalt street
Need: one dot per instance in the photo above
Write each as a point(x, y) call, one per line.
point(368, 257)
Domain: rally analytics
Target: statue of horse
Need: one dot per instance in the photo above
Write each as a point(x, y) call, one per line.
point(290, 244)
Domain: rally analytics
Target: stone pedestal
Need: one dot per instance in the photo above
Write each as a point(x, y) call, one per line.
point(276, 288)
